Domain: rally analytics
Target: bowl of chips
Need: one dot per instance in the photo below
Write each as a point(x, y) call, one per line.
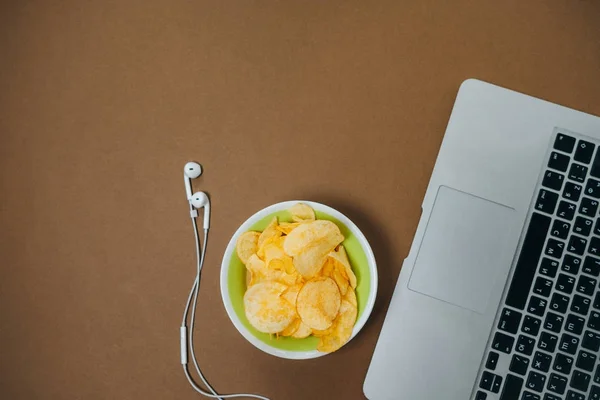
point(298, 280)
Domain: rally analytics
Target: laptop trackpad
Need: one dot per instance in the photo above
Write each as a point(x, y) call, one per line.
point(466, 246)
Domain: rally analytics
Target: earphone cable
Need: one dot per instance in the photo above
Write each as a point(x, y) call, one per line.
point(193, 301)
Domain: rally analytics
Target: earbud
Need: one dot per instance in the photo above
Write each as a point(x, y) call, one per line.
point(200, 200)
point(191, 171)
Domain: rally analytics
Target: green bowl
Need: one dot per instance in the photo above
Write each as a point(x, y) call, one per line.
point(233, 280)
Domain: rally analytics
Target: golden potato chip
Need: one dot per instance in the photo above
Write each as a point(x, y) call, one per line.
point(291, 328)
point(256, 266)
point(301, 212)
point(310, 262)
point(318, 302)
point(350, 297)
point(275, 257)
point(266, 310)
point(341, 257)
point(270, 232)
point(342, 329)
point(302, 331)
point(342, 283)
point(287, 227)
point(246, 245)
point(291, 293)
point(324, 332)
point(310, 234)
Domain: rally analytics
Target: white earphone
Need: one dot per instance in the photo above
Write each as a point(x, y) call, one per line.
point(197, 201)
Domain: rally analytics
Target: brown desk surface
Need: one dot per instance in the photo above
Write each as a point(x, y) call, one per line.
point(343, 102)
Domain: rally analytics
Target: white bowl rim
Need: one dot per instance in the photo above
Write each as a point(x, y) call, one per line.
point(295, 355)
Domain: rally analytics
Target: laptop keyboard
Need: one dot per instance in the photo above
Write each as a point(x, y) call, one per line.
point(546, 342)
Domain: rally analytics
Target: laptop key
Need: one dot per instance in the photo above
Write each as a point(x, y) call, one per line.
point(588, 207)
point(525, 345)
point(546, 201)
point(597, 300)
point(530, 396)
point(580, 380)
point(528, 260)
point(594, 246)
point(578, 172)
point(591, 265)
point(553, 322)
point(561, 229)
point(512, 387)
point(571, 395)
point(497, 384)
point(591, 341)
point(583, 226)
point(586, 361)
point(568, 343)
point(597, 375)
point(492, 360)
point(586, 285)
point(549, 396)
point(531, 325)
point(537, 305)
point(564, 143)
point(559, 162)
point(542, 286)
point(580, 304)
point(502, 342)
point(547, 342)
point(518, 364)
point(571, 264)
point(594, 393)
point(566, 210)
point(572, 191)
point(481, 395)
point(592, 188)
point(487, 380)
point(553, 180)
point(559, 303)
point(584, 151)
point(565, 283)
point(535, 381)
point(509, 321)
point(549, 267)
point(563, 363)
point(557, 383)
point(576, 245)
point(574, 324)
point(542, 361)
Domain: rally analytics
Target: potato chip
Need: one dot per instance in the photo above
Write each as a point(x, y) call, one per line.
point(275, 257)
point(291, 293)
point(270, 232)
point(309, 234)
point(266, 310)
point(342, 329)
point(256, 267)
point(302, 331)
point(341, 257)
point(350, 297)
point(291, 328)
point(324, 332)
point(246, 245)
point(287, 227)
point(301, 213)
point(342, 283)
point(318, 302)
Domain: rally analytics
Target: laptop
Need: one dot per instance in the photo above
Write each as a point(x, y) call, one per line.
point(499, 295)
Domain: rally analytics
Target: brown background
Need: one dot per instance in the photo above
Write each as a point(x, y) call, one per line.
point(343, 102)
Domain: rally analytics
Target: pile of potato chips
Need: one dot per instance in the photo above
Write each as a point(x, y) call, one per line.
point(300, 281)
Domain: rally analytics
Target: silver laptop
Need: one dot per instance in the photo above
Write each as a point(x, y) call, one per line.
point(499, 296)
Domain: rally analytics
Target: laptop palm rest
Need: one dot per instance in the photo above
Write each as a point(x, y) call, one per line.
point(467, 245)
